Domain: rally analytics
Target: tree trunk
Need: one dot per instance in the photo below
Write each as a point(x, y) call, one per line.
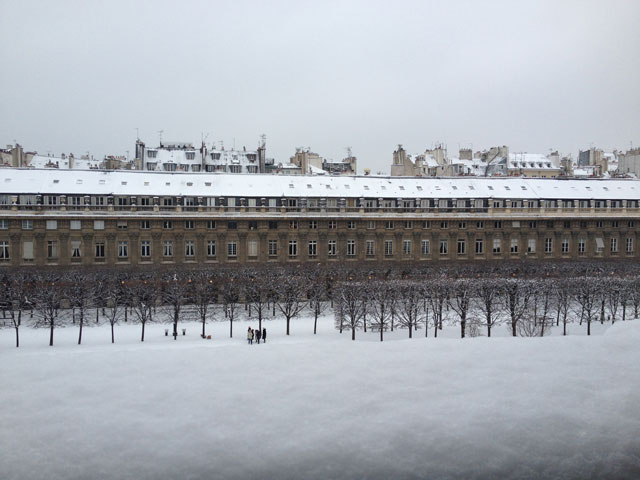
point(230, 328)
point(288, 320)
point(51, 334)
point(315, 321)
point(513, 327)
point(113, 340)
point(80, 331)
point(463, 325)
point(204, 320)
point(588, 325)
point(353, 333)
point(410, 330)
point(142, 336)
point(17, 336)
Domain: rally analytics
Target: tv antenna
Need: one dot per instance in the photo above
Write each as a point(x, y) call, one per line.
point(160, 132)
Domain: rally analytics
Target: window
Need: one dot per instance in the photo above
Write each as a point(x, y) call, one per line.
point(189, 224)
point(388, 248)
point(332, 224)
point(581, 245)
point(123, 249)
point(167, 248)
point(370, 248)
point(51, 224)
point(497, 245)
point(211, 248)
point(371, 224)
point(444, 246)
point(252, 248)
point(313, 248)
point(462, 225)
point(211, 224)
point(121, 225)
point(480, 224)
point(75, 225)
point(599, 224)
point(462, 246)
point(189, 248)
point(145, 248)
point(514, 245)
point(351, 248)
point(531, 245)
point(4, 250)
point(583, 224)
point(614, 245)
point(630, 224)
point(497, 224)
point(599, 245)
point(293, 224)
point(167, 224)
point(98, 224)
point(406, 247)
point(408, 224)
point(425, 247)
point(566, 224)
point(388, 224)
point(426, 224)
point(548, 245)
point(145, 225)
point(444, 225)
point(52, 249)
point(293, 248)
point(332, 248)
point(564, 246)
point(27, 250)
point(273, 248)
point(351, 224)
point(27, 224)
point(629, 246)
point(99, 249)
point(313, 224)
point(533, 224)
point(232, 249)
point(232, 225)
point(479, 246)
point(615, 224)
point(75, 248)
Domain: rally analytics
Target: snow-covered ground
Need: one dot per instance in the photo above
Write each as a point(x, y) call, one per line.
point(321, 406)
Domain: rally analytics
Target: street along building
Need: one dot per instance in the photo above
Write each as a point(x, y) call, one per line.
point(69, 217)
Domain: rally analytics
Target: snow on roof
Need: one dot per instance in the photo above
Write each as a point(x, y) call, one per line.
point(535, 161)
point(140, 183)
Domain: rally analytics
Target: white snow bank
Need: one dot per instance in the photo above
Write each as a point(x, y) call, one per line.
point(319, 407)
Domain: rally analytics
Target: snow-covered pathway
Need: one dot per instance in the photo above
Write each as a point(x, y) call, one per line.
point(319, 407)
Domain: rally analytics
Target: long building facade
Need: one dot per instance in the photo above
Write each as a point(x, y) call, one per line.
point(119, 218)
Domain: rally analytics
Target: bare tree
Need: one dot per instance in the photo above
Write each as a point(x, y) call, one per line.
point(291, 296)
point(410, 305)
point(587, 296)
point(317, 293)
point(175, 294)
point(462, 294)
point(144, 298)
point(515, 300)
point(488, 291)
point(81, 295)
point(14, 288)
point(436, 294)
point(613, 288)
point(204, 295)
point(350, 301)
point(48, 296)
point(380, 294)
point(564, 295)
point(113, 294)
point(230, 299)
point(258, 291)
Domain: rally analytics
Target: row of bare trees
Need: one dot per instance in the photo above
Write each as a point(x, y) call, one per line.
point(525, 296)
point(527, 306)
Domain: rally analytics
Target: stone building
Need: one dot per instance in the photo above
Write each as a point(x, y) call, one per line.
point(629, 162)
point(125, 218)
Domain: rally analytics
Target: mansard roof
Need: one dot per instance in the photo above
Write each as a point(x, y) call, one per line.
point(143, 183)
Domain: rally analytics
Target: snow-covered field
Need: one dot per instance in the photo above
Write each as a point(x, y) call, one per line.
point(321, 406)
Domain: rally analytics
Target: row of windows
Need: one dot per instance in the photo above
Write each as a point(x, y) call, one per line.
point(312, 247)
point(313, 224)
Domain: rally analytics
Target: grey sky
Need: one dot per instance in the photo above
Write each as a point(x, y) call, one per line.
point(83, 75)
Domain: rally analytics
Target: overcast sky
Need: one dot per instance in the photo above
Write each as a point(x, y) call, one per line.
point(81, 76)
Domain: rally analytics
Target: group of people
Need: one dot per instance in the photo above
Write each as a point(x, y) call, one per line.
point(256, 335)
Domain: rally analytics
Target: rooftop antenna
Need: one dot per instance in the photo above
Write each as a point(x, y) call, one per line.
point(160, 132)
point(137, 134)
point(263, 140)
point(349, 154)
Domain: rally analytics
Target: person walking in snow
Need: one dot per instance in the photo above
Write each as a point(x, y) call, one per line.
point(258, 335)
point(264, 335)
point(249, 336)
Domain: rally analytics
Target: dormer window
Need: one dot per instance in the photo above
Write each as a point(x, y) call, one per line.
point(190, 155)
point(152, 153)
